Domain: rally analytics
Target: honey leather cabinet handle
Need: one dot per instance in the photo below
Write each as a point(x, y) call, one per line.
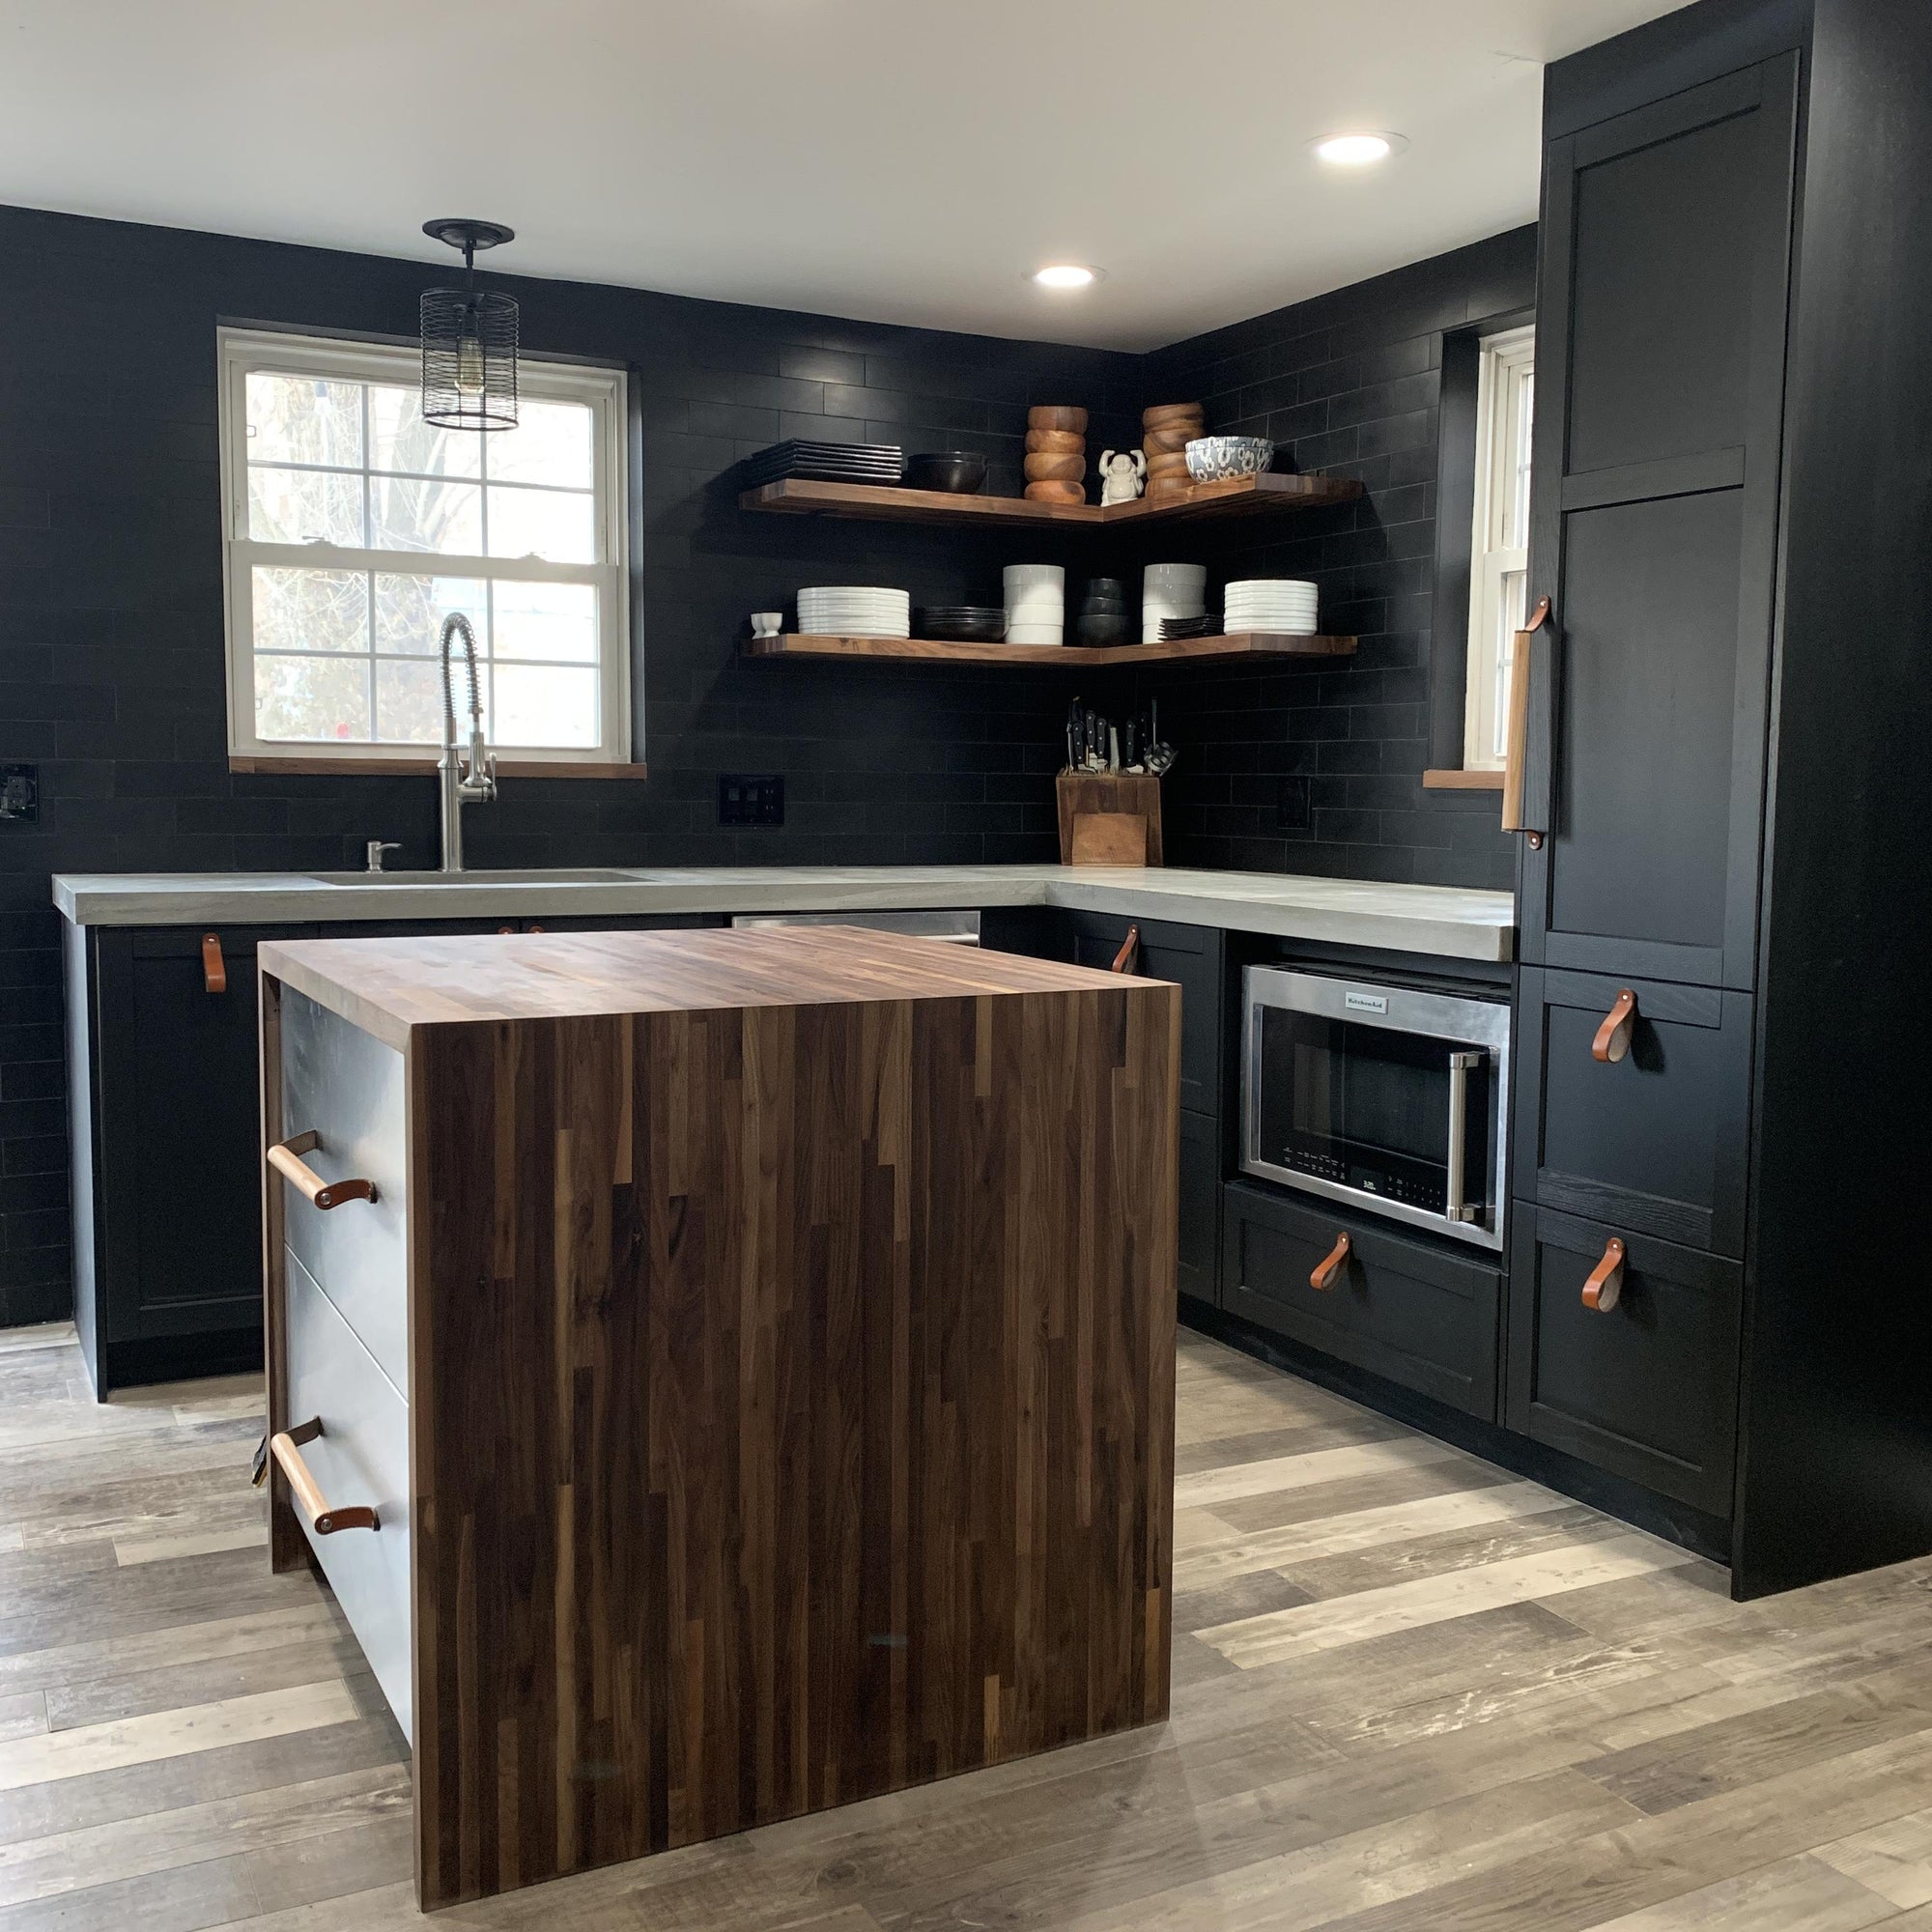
point(1123, 959)
point(1614, 1036)
point(1516, 755)
point(286, 1158)
point(1329, 1272)
point(1606, 1283)
point(286, 1448)
point(214, 968)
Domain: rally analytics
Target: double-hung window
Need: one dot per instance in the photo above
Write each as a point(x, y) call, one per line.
point(1499, 555)
point(353, 529)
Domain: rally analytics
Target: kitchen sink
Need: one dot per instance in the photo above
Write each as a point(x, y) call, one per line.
point(591, 875)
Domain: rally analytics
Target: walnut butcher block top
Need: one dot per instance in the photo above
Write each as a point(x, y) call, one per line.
point(389, 986)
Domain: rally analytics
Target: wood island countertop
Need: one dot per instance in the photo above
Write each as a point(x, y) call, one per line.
point(391, 986)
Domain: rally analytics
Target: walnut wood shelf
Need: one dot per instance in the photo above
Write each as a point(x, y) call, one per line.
point(1239, 497)
point(1062, 657)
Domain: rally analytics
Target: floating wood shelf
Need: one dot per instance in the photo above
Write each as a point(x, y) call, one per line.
point(1064, 657)
point(1243, 495)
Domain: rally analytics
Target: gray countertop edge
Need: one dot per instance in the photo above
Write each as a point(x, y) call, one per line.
point(1441, 921)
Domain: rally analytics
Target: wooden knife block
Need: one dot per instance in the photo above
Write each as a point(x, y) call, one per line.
point(1109, 818)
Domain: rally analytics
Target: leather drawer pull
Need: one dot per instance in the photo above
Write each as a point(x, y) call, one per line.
point(1123, 959)
point(214, 968)
point(1606, 1279)
point(1614, 1036)
point(324, 1521)
point(1517, 744)
point(286, 1158)
point(1329, 1272)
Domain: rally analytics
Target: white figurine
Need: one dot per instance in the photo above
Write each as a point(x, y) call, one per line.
point(1123, 475)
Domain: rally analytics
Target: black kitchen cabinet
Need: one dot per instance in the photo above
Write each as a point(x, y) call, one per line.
point(1655, 1139)
point(164, 1112)
point(1729, 714)
point(1190, 955)
point(1406, 1310)
point(1645, 1388)
point(1199, 1272)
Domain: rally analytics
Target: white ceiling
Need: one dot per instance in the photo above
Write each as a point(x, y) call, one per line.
point(904, 160)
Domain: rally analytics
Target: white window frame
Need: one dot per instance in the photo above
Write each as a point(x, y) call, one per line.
point(1499, 426)
point(241, 353)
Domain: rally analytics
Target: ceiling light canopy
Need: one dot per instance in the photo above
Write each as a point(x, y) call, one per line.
point(1066, 275)
point(1357, 151)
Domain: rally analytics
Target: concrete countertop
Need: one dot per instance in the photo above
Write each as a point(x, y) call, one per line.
point(1445, 921)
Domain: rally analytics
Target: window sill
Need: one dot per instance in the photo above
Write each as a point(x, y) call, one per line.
point(1461, 780)
point(296, 765)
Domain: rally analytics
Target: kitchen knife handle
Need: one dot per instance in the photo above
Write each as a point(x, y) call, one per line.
point(1329, 1272)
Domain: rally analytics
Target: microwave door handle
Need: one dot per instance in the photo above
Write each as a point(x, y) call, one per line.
point(1460, 1065)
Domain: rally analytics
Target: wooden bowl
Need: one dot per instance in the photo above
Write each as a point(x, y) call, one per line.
point(1167, 415)
point(1167, 442)
point(1167, 466)
point(1053, 415)
point(1045, 468)
point(1056, 442)
point(1056, 492)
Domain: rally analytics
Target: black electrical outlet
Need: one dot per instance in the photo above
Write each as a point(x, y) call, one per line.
point(20, 791)
point(1291, 805)
point(748, 799)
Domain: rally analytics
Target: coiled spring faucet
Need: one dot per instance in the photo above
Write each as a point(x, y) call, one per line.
point(455, 787)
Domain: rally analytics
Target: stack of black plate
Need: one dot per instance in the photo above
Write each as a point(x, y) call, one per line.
point(827, 462)
point(963, 623)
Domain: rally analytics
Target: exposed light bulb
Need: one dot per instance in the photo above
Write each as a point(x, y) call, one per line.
point(469, 368)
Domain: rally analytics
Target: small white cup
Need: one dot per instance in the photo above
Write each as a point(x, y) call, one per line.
point(767, 623)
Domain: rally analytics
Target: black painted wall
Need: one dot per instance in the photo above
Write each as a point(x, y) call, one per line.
point(111, 663)
point(1306, 770)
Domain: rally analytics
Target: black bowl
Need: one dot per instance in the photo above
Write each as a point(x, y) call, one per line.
point(1100, 628)
point(958, 472)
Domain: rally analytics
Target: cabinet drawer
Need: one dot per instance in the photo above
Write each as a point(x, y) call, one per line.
point(1648, 1389)
point(1397, 1308)
point(362, 1456)
point(347, 1086)
point(1200, 1245)
point(1654, 1142)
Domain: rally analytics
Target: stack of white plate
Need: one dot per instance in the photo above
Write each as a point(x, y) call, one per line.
point(1171, 590)
point(854, 611)
point(1284, 604)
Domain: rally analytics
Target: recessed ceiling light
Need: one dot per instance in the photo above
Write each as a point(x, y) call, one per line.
point(1357, 151)
point(1066, 276)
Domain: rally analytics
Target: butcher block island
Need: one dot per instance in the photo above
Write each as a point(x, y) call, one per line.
point(722, 1374)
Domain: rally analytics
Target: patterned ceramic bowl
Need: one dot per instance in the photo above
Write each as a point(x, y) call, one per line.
point(1213, 458)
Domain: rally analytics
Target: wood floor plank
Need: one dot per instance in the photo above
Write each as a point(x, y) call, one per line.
point(1893, 1860)
point(1793, 1895)
point(133, 1550)
point(1207, 1488)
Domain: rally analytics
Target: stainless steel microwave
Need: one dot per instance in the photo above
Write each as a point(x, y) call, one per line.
point(1391, 1099)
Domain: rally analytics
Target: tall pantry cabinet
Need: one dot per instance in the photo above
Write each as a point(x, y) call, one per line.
point(1717, 1286)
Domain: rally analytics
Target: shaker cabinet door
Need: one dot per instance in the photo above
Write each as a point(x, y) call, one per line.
point(1659, 398)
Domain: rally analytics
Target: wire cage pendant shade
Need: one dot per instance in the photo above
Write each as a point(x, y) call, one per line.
point(468, 340)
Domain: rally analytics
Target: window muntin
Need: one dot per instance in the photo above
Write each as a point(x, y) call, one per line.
point(1499, 553)
point(355, 528)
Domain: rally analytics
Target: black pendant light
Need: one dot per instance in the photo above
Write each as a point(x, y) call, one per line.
point(469, 339)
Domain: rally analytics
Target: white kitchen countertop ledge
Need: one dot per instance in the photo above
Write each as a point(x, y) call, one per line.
point(1443, 921)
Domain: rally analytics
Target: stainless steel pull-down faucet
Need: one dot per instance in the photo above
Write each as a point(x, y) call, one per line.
point(479, 779)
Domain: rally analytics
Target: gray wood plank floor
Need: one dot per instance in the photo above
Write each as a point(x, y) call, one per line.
point(1411, 1691)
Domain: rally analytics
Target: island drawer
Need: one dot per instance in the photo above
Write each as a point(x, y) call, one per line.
point(361, 1456)
point(1653, 1139)
point(1645, 1387)
point(347, 1087)
point(1420, 1316)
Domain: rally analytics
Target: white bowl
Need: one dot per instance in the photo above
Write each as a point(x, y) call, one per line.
point(1175, 576)
point(1035, 634)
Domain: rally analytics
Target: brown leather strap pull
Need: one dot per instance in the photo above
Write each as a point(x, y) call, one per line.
point(286, 1158)
point(506, 929)
point(1516, 740)
point(1538, 617)
point(287, 1448)
point(1329, 1272)
point(1606, 1279)
point(1123, 959)
point(214, 968)
point(1614, 1036)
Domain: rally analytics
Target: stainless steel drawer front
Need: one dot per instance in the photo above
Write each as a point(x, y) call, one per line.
point(347, 1086)
point(1474, 1033)
point(362, 1456)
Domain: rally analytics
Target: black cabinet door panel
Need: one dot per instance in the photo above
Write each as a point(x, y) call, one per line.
point(1199, 1272)
point(1666, 277)
point(1398, 1308)
point(1648, 1389)
point(1656, 1141)
point(1190, 955)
